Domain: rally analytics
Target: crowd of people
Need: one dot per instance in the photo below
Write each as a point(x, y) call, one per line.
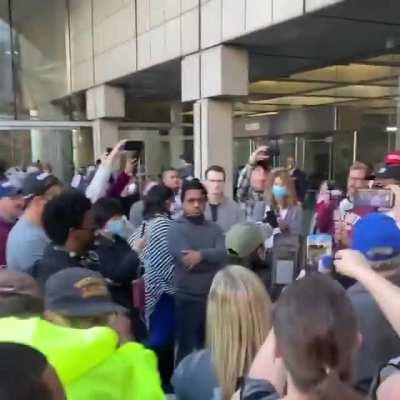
point(114, 287)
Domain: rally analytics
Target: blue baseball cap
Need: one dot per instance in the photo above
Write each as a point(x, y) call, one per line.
point(377, 236)
point(79, 292)
point(7, 189)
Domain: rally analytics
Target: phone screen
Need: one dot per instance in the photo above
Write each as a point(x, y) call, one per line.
point(377, 198)
point(133, 145)
point(318, 246)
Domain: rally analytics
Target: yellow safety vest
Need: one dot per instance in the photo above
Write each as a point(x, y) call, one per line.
point(89, 362)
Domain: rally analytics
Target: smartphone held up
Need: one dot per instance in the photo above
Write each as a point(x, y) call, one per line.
point(375, 198)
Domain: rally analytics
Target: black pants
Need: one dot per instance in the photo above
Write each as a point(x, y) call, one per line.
point(190, 318)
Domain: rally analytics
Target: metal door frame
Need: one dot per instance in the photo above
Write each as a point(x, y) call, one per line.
point(328, 141)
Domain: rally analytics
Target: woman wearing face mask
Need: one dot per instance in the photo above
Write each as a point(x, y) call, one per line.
point(284, 211)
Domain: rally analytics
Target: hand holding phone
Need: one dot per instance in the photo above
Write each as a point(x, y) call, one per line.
point(133, 145)
point(318, 247)
point(271, 219)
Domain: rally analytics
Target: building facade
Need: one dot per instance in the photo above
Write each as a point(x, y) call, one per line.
point(210, 79)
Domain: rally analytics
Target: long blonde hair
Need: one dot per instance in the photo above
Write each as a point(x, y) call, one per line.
point(287, 182)
point(238, 321)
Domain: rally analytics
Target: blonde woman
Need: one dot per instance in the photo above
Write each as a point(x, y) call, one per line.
point(238, 321)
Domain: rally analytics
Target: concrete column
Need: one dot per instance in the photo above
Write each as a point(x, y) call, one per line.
point(105, 101)
point(175, 134)
point(152, 153)
point(397, 141)
point(213, 138)
point(211, 77)
point(105, 134)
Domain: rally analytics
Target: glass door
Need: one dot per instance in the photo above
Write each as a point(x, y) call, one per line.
point(315, 159)
point(63, 149)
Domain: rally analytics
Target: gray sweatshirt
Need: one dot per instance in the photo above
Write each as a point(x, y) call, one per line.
point(207, 238)
point(380, 343)
point(229, 213)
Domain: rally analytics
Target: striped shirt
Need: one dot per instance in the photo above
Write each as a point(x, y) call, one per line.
point(157, 260)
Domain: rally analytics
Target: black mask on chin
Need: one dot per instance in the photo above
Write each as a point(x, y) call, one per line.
point(197, 220)
point(256, 263)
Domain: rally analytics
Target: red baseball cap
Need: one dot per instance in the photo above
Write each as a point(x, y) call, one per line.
point(393, 158)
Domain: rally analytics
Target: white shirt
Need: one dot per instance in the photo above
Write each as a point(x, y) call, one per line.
point(391, 215)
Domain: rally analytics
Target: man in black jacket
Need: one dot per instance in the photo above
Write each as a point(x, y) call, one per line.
point(70, 224)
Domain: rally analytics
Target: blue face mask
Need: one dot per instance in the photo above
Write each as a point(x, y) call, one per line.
point(279, 192)
point(117, 227)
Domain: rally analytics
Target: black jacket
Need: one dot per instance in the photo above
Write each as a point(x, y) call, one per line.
point(119, 265)
point(113, 258)
point(55, 259)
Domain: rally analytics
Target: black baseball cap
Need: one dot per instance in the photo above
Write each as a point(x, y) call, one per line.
point(389, 172)
point(38, 183)
point(79, 292)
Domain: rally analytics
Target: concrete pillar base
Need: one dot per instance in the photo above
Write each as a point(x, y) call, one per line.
point(105, 134)
point(213, 138)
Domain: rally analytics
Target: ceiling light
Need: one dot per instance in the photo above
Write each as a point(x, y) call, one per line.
point(259, 101)
point(391, 129)
point(241, 112)
point(264, 114)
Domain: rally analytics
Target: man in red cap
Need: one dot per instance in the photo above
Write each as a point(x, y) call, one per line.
point(389, 177)
point(389, 174)
point(393, 158)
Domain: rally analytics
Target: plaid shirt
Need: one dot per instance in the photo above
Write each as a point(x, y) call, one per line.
point(246, 196)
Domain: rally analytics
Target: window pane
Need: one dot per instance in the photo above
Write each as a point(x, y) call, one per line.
point(65, 150)
point(15, 148)
point(39, 28)
point(6, 79)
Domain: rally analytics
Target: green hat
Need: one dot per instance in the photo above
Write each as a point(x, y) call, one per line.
point(244, 238)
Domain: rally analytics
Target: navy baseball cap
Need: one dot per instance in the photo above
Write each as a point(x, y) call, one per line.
point(377, 236)
point(38, 183)
point(389, 172)
point(7, 189)
point(79, 292)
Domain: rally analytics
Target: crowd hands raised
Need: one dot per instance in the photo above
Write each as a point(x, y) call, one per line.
point(128, 289)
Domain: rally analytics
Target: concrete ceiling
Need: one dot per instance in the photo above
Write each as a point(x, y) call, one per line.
point(351, 30)
point(161, 82)
point(346, 54)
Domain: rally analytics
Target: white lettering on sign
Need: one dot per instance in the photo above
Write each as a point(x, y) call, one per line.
point(255, 126)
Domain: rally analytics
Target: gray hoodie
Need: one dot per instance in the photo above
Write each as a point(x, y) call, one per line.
point(207, 238)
